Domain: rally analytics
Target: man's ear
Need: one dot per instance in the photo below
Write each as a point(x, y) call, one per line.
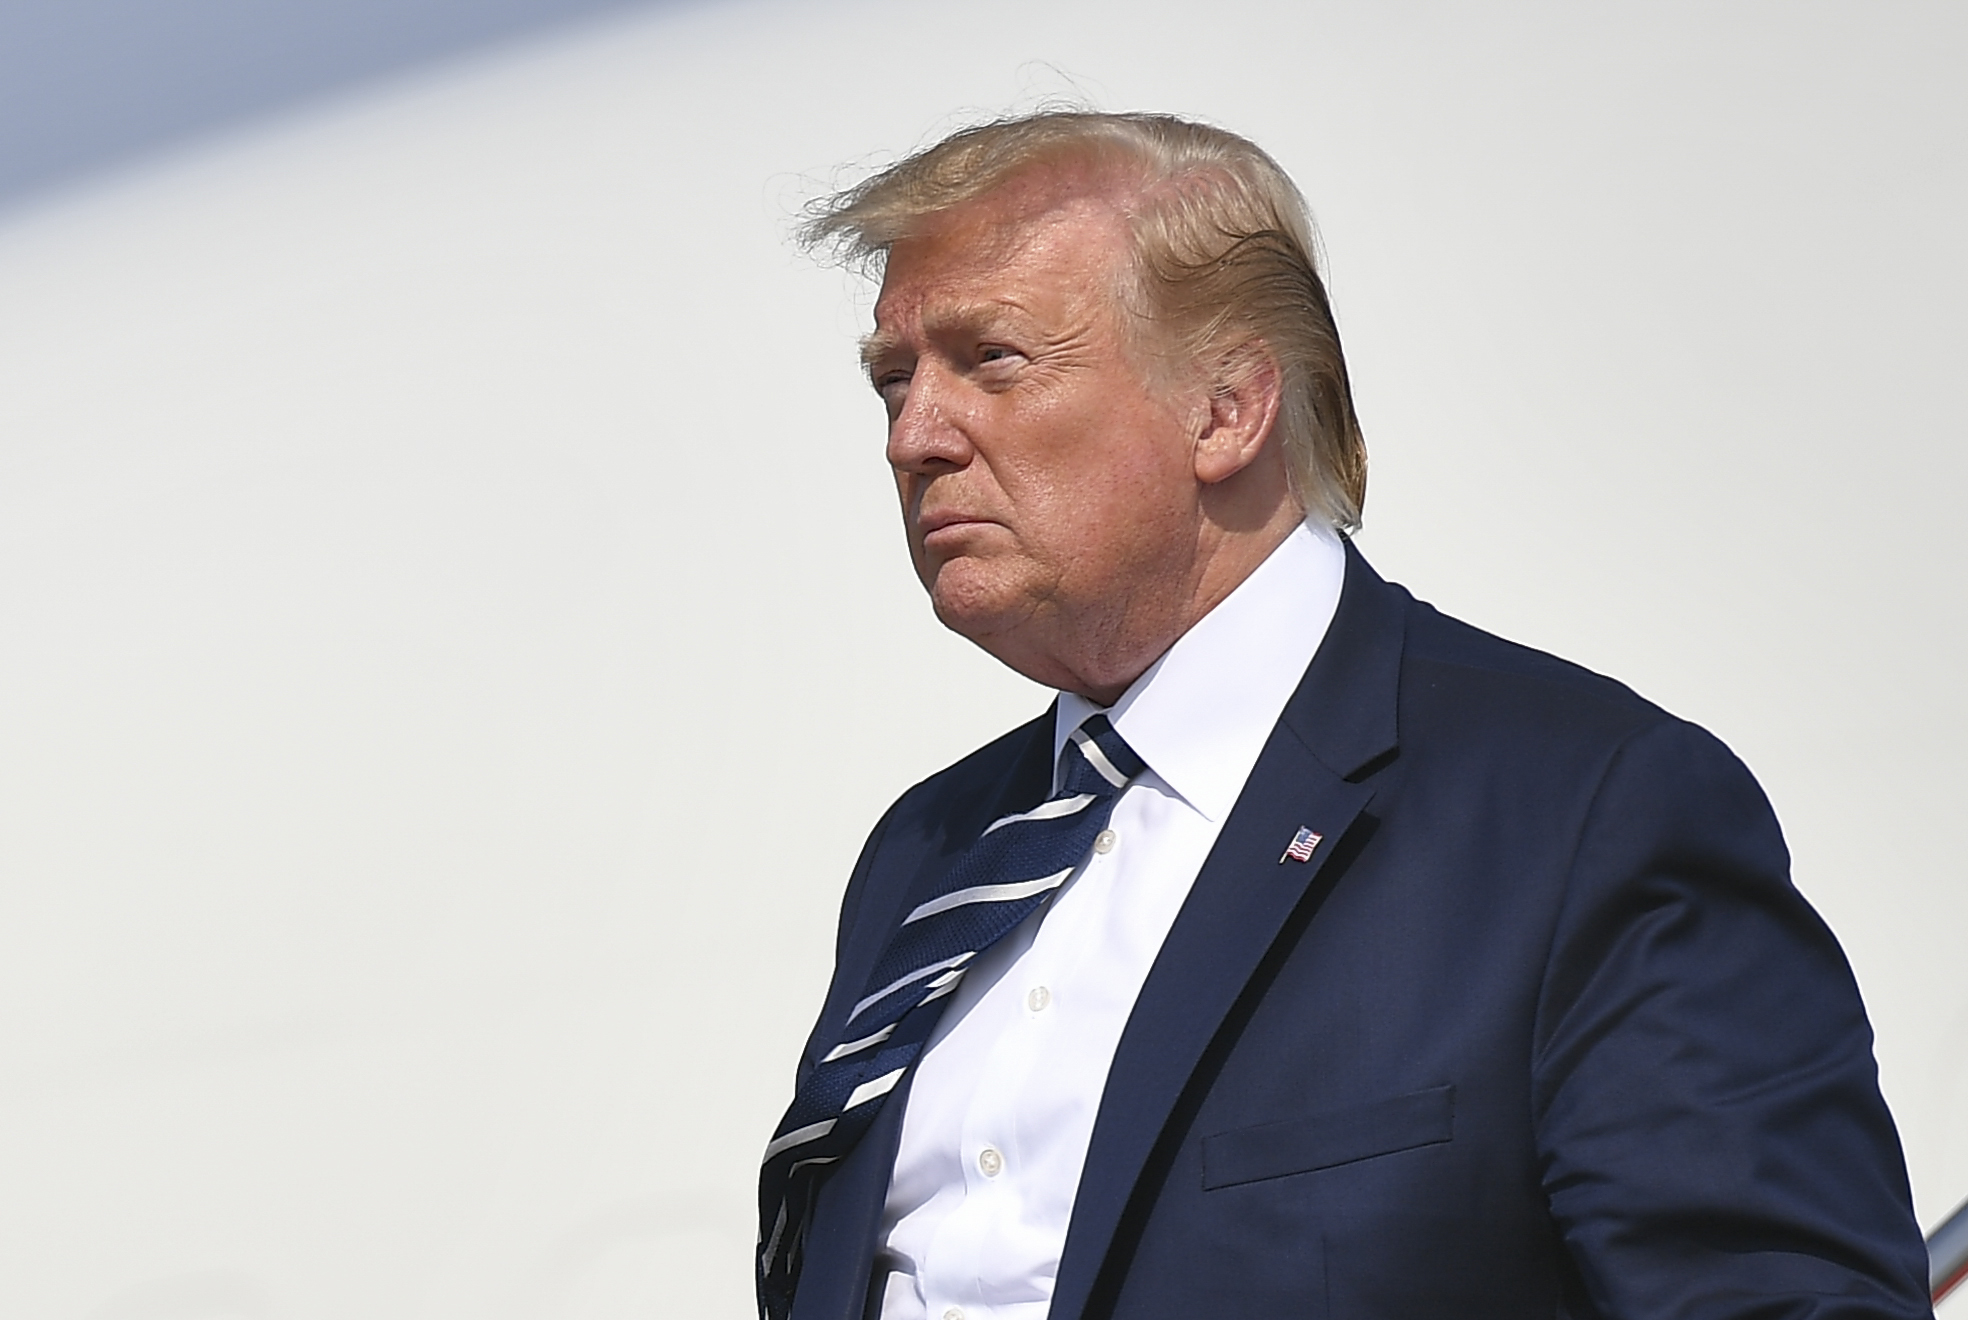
point(1243, 409)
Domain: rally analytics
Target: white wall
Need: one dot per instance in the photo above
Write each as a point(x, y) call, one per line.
point(453, 632)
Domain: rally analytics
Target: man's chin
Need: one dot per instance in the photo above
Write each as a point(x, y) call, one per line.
point(976, 604)
point(970, 618)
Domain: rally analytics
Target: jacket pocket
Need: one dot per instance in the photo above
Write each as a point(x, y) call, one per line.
point(1338, 1136)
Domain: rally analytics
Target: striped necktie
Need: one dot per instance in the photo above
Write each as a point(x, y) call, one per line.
point(1010, 871)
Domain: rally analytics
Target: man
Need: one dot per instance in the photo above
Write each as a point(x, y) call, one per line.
point(1316, 954)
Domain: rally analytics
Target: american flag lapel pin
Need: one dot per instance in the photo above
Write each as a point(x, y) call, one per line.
point(1301, 846)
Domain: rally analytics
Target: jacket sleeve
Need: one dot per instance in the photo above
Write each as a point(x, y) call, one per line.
point(1711, 1134)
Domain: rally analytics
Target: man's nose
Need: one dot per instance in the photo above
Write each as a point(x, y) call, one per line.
point(928, 435)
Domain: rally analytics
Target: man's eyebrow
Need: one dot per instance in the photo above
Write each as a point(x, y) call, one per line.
point(874, 345)
point(970, 316)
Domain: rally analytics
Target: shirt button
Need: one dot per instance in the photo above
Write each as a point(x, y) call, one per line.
point(1038, 998)
point(954, 1313)
point(989, 1162)
point(1104, 841)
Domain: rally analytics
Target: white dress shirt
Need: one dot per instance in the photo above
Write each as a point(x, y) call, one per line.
point(1002, 1106)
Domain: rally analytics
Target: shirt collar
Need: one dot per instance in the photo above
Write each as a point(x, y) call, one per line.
point(1201, 713)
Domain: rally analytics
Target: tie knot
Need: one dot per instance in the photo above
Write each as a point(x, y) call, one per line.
point(1097, 760)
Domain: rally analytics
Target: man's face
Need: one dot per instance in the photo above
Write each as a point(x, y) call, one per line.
point(1047, 483)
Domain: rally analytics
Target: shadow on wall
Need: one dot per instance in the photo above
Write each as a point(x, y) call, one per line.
point(88, 84)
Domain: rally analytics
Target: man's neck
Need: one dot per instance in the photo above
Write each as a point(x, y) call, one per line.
point(1106, 660)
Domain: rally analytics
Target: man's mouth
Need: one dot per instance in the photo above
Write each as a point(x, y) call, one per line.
point(929, 524)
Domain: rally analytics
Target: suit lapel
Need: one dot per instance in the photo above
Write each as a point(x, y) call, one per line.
point(1337, 727)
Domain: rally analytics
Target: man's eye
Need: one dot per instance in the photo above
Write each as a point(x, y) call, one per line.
point(893, 386)
point(996, 353)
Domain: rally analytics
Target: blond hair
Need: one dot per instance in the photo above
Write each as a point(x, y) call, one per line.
point(1223, 256)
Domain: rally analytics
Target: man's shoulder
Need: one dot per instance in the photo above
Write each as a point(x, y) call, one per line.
point(1511, 703)
point(973, 785)
point(1443, 653)
point(941, 814)
point(1016, 753)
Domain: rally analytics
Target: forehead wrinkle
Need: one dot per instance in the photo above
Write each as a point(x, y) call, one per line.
point(963, 314)
point(968, 313)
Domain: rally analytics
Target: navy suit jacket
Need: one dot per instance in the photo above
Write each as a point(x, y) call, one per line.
point(1541, 1029)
